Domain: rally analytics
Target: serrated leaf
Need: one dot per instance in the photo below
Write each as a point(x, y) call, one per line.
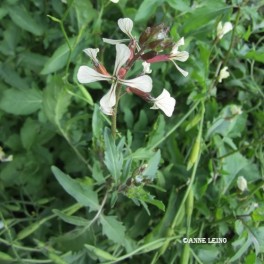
point(112, 228)
point(56, 100)
point(22, 18)
point(100, 253)
point(21, 102)
point(113, 157)
point(80, 192)
point(71, 219)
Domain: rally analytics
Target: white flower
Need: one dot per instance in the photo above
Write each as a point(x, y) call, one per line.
point(88, 75)
point(125, 25)
point(241, 183)
point(222, 30)
point(223, 74)
point(176, 55)
point(164, 102)
point(114, 1)
point(146, 67)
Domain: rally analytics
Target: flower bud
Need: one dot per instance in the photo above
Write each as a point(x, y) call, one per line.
point(155, 38)
point(241, 183)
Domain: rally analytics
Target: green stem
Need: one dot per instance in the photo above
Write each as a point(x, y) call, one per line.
point(114, 116)
point(176, 126)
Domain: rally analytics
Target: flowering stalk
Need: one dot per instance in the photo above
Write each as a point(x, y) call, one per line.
point(151, 42)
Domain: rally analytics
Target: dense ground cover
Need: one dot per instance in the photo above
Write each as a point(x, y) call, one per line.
point(71, 193)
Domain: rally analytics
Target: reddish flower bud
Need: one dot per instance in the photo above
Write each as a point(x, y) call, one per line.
point(158, 58)
point(143, 95)
point(101, 69)
point(122, 72)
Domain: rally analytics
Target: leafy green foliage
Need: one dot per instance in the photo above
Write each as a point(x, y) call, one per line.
point(71, 193)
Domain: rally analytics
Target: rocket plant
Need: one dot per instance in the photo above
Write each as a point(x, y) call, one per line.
point(153, 45)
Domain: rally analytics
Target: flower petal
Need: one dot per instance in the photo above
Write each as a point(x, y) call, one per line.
point(122, 55)
point(227, 27)
point(92, 53)
point(180, 56)
point(177, 45)
point(142, 83)
point(109, 100)
point(164, 102)
point(88, 75)
point(222, 30)
point(184, 73)
point(114, 41)
point(126, 25)
point(223, 74)
point(146, 67)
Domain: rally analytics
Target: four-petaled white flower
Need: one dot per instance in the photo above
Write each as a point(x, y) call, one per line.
point(176, 55)
point(164, 102)
point(125, 25)
point(223, 74)
point(88, 75)
point(222, 30)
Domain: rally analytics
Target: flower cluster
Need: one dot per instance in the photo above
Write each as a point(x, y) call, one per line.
point(147, 49)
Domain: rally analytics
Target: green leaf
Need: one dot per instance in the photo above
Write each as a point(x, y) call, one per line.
point(157, 132)
point(140, 154)
point(10, 76)
point(256, 55)
point(180, 5)
point(208, 254)
point(4, 256)
point(97, 122)
point(147, 9)
point(79, 191)
point(84, 17)
point(56, 100)
point(101, 254)
point(112, 228)
point(29, 132)
point(71, 219)
point(138, 193)
point(22, 18)
point(230, 122)
point(113, 157)
point(58, 59)
point(203, 15)
point(241, 251)
point(21, 102)
point(151, 170)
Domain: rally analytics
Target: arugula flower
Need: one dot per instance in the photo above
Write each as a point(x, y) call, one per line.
point(222, 30)
point(88, 75)
point(164, 102)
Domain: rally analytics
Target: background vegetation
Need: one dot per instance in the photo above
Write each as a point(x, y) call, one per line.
point(83, 210)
